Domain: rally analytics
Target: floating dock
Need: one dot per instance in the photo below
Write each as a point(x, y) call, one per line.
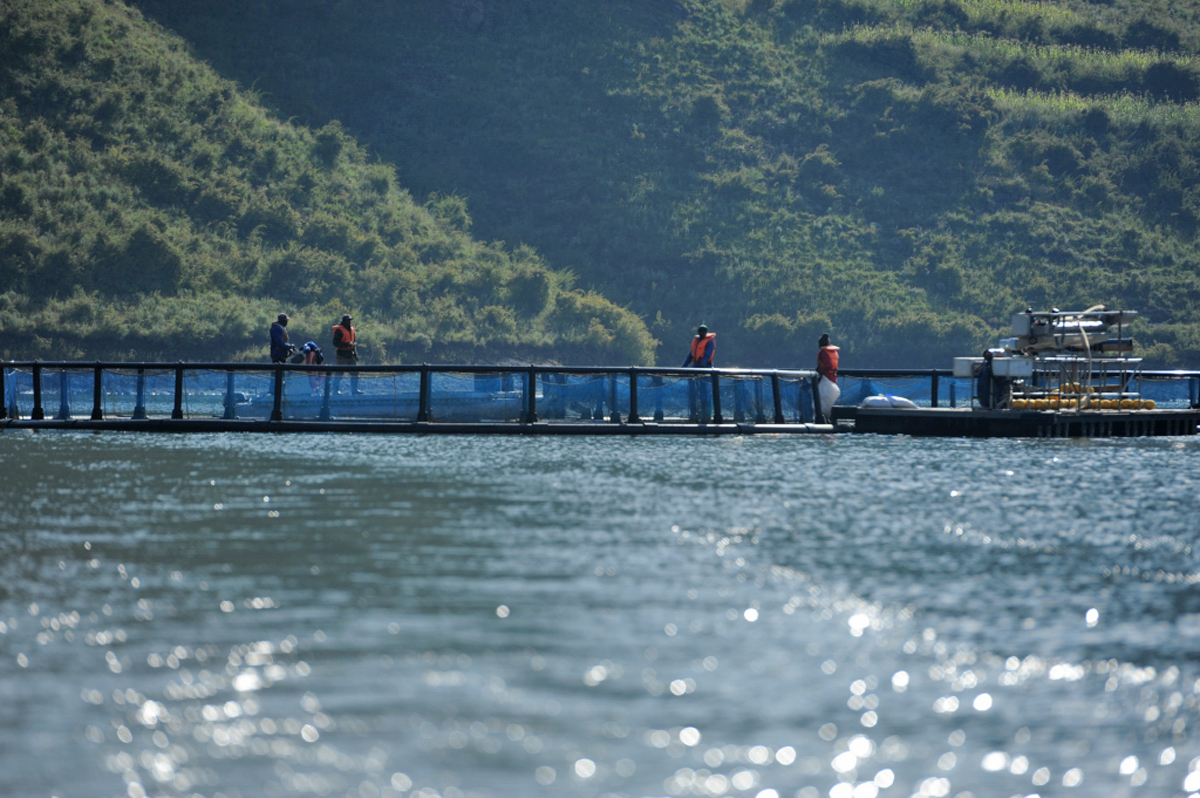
point(425, 399)
point(979, 423)
point(541, 400)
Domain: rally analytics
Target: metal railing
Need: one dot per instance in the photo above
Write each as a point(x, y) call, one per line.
point(429, 393)
point(425, 393)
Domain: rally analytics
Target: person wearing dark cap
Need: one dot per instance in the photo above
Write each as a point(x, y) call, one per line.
point(704, 346)
point(344, 343)
point(281, 350)
point(825, 385)
point(700, 356)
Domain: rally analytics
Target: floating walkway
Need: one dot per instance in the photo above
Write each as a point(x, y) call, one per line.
point(541, 400)
point(425, 399)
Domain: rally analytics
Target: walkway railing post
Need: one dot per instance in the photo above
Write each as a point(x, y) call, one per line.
point(634, 418)
point(953, 398)
point(612, 399)
point(64, 390)
point(716, 390)
point(98, 393)
point(423, 394)
point(531, 396)
point(230, 399)
point(177, 410)
point(37, 414)
point(327, 387)
point(8, 411)
point(933, 389)
point(139, 402)
point(778, 400)
point(277, 409)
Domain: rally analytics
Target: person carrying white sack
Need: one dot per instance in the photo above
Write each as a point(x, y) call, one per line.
point(827, 369)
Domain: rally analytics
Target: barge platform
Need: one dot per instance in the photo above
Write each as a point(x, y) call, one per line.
point(968, 422)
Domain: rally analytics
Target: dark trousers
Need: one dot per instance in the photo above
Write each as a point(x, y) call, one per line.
point(347, 360)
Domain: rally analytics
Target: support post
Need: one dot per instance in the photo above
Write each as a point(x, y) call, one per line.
point(531, 396)
point(277, 409)
point(9, 410)
point(98, 393)
point(177, 411)
point(423, 393)
point(139, 403)
point(64, 390)
point(612, 399)
point(325, 415)
point(777, 399)
point(38, 413)
point(634, 418)
point(933, 389)
point(230, 399)
point(657, 383)
point(716, 390)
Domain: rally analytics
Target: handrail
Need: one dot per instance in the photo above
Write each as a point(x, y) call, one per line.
point(491, 368)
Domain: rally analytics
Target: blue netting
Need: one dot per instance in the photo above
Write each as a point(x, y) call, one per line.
point(500, 396)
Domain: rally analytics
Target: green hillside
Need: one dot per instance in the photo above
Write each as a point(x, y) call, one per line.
point(902, 173)
point(150, 208)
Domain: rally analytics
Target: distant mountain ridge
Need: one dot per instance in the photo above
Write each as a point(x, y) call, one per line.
point(904, 175)
point(151, 209)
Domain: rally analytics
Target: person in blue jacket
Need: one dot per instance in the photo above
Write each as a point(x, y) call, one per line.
point(281, 350)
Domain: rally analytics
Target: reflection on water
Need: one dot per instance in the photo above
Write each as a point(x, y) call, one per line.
point(774, 617)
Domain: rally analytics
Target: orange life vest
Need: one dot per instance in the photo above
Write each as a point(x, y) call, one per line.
point(827, 362)
point(698, 346)
point(343, 338)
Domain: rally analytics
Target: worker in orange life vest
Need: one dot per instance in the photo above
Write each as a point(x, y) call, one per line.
point(827, 359)
point(827, 369)
point(704, 346)
point(344, 339)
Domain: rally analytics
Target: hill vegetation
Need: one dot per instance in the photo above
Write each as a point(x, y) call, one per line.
point(902, 173)
point(152, 209)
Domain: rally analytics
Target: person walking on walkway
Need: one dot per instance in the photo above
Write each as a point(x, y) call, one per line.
point(344, 342)
point(281, 350)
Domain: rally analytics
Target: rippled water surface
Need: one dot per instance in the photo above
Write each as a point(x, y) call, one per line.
point(849, 616)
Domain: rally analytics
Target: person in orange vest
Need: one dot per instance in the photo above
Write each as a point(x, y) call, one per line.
point(700, 355)
point(344, 339)
point(827, 359)
point(704, 346)
point(827, 369)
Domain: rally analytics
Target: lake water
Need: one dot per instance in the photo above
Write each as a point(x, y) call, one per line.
point(778, 617)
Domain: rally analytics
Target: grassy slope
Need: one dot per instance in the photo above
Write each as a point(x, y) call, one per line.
point(151, 209)
point(903, 173)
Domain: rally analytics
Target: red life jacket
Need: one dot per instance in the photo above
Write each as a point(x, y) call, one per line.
point(827, 362)
point(698, 346)
point(343, 338)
